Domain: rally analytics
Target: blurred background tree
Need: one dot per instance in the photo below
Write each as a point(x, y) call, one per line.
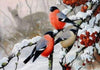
point(20, 19)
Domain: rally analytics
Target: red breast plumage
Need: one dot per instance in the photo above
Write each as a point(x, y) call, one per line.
point(43, 47)
point(54, 20)
point(50, 46)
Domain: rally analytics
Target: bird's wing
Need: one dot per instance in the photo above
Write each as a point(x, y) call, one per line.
point(30, 56)
point(61, 16)
point(41, 45)
point(69, 41)
point(64, 18)
point(63, 34)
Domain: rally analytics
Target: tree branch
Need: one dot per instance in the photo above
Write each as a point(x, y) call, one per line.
point(13, 55)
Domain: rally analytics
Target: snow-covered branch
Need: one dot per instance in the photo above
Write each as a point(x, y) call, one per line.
point(17, 49)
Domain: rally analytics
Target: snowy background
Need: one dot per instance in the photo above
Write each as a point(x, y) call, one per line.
point(13, 13)
point(9, 34)
point(10, 24)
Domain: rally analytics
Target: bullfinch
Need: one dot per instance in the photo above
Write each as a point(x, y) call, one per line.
point(68, 43)
point(43, 47)
point(58, 19)
point(67, 38)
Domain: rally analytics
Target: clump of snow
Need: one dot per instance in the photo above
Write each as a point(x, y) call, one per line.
point(25, 42)
point(66, 10)
point(90, 38)
point(96, 28)
point(81, 32)
point(94, 1)
point(97, 18)
point(61, 55)
point(83, 25)
point(89, 50)
point(88, 54)
point(92, 21)
point(4, 60)
point(79, 44)
point(35, 39)
point(89, 12)
point(89, 5)
point(80, 15)
point(73, 17)
point(77, 65)
point(97, 47)
point(85, 57)
point(16, 48)
point(89, 28)
point(71, 55)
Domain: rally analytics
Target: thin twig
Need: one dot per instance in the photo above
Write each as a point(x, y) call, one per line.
point(80, 68)
point(17, 63)
point(13, 55)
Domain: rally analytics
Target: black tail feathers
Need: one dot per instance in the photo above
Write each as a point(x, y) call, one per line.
point(72, 22)
point(37, 53)
point(69, 21)
point(30, 56)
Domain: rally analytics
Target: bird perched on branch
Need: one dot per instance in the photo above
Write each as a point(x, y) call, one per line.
point(43, 47)
point(58, 19)
point(67, 38)
point(68, 42)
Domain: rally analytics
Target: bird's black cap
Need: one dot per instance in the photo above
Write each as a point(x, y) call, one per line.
point(50, 33)
point(53, 8)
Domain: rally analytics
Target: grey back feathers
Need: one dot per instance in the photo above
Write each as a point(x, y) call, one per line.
point(41, 44)
point(61, 15)
point(63, 34)
point(68, 36)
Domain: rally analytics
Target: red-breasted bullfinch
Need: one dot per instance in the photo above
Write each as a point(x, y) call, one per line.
point(58, 19)
point(43, 47)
